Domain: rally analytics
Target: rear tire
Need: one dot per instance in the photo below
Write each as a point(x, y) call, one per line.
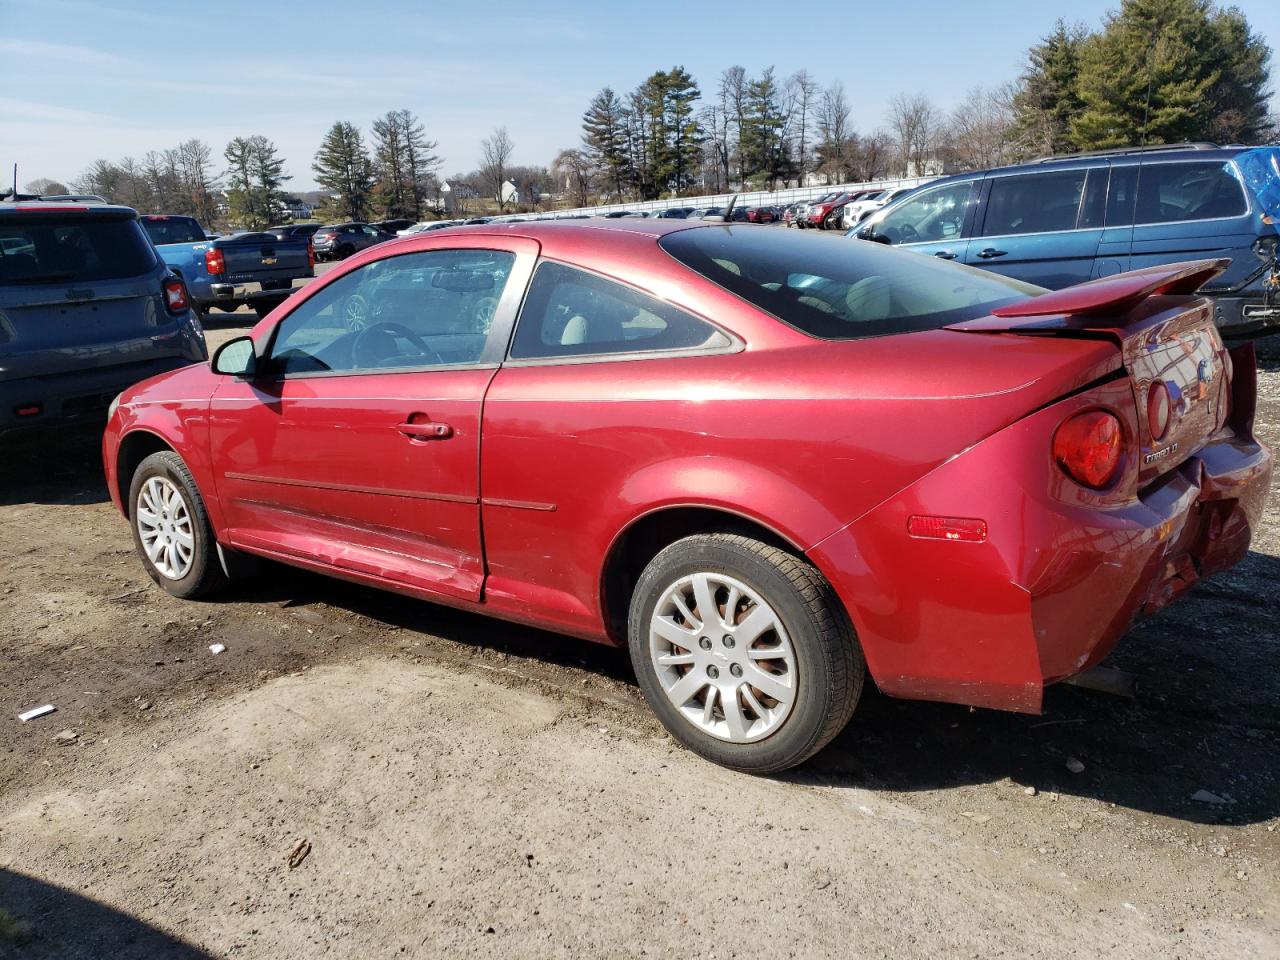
point(345, 251)
point(171, 529)
point(777, 657)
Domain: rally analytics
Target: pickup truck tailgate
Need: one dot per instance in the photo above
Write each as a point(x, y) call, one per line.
point(251, 257)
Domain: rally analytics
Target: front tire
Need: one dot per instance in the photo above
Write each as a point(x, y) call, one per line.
point(171, 529)
point(743, 651)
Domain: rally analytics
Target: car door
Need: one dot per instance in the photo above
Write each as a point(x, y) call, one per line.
point(1187, 210)
point(584, 403)
point(357, 445)
point(934, 221)
point(1043, 227)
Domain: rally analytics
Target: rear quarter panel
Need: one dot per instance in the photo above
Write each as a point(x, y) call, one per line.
point(801, 439)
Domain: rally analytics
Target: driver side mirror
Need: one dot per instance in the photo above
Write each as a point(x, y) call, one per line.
point(236, 358)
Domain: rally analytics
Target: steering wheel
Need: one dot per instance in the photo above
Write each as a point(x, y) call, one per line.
point(362, 347)
point(909, 234)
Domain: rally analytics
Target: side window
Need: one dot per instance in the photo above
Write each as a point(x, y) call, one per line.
point(1095, 198)
point(1188, 191)
point(572, 313)
point(1120, 196)
point(419, 309)
point(933, 215)
point(1034, 203)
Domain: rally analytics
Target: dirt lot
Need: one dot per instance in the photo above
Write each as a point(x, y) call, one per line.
point(468, 788)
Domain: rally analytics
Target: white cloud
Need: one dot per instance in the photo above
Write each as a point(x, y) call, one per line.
point(66, 52)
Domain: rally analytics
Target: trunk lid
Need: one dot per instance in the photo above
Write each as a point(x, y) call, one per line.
point(1164, 337)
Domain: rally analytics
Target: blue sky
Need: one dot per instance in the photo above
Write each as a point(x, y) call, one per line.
point(82, 79)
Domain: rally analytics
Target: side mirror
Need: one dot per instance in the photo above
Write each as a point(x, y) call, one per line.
point(236, 358)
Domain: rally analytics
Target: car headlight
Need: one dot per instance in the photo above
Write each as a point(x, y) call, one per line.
point(114, 406)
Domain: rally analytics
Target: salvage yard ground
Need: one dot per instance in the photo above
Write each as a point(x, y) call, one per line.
point(449, 785)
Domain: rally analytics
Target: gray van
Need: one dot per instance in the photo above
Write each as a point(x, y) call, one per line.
point(1065, 220)
point(87, 308)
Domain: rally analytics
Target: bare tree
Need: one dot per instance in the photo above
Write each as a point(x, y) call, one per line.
point(572, 172)
point(802, 92)
point(980, 131)
point(836, 139)
point(733, 105)
point(495, 152)
point(46, 186)
point(916, 123)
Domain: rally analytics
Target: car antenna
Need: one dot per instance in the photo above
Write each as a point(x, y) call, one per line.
point(728, 211)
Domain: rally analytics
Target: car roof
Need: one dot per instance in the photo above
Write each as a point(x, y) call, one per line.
point(64, 207)
point(1174, 153)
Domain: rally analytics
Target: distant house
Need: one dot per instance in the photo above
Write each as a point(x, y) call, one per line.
point(299, 209)
point(526, 192)
point(452, 194)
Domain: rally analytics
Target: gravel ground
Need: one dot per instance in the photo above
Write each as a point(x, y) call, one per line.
point(448, 785)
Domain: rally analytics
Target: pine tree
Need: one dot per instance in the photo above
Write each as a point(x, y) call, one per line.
point(403, 161)
point(604, 138)
point(255, 174)
point(1048, 98)
point(342, 168)
point(1164, 71)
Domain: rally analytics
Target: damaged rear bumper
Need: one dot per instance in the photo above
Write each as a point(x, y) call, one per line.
point(1057, 582)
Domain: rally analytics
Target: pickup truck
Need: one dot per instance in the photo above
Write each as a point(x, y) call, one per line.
point(253, 268)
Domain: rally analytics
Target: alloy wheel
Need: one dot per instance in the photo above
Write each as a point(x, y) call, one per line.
point(164, 526)
point(723, 657)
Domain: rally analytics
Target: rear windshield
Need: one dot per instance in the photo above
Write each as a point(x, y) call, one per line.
point(173, 230)
point(841, 289)
point(47, 249)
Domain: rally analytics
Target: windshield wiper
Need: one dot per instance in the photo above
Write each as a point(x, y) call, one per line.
point(40, 278)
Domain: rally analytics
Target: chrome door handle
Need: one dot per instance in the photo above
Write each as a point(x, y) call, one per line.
point(425, 431)
point(945, 255)
point(992, 252)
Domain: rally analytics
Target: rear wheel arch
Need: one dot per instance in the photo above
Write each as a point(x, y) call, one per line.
point(645, 536)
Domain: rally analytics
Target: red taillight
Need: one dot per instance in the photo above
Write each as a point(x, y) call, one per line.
point(1088, 447)
point(1158, 407)
point(311, 254)
point(963, 529)
point(175, 296)
point(214, 263)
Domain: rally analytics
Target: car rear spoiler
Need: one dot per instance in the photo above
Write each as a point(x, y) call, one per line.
point(1101, 303)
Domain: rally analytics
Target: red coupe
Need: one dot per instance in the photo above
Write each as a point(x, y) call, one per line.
point(766, 462)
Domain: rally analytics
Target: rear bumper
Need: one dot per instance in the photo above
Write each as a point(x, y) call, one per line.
point(228, 292)
point(1057, 583)
point(75, 396)
point(1246, 317)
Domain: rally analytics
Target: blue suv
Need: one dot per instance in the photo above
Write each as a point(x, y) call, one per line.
point(1064, 220)
point(87, 308)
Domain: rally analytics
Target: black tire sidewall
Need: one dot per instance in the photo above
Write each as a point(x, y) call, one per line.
point(204, 562)
point(795, 740)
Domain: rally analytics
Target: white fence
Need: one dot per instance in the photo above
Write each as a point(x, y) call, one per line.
point(752, 199)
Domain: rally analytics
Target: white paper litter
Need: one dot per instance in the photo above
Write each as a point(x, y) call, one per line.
point(47, 709)
point(216, 648)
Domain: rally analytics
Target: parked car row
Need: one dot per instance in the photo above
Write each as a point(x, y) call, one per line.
point(1062, 221)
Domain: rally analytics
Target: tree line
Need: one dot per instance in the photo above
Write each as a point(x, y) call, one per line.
point(1156, 71)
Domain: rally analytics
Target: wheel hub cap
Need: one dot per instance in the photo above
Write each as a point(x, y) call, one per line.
point(723, 657)
point(164, 527)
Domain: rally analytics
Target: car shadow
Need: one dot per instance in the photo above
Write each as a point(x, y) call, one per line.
point(39, 921)
point(55, 466)
point(1205, 715)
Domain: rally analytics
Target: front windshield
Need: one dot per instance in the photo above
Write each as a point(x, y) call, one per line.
point(841, 290)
